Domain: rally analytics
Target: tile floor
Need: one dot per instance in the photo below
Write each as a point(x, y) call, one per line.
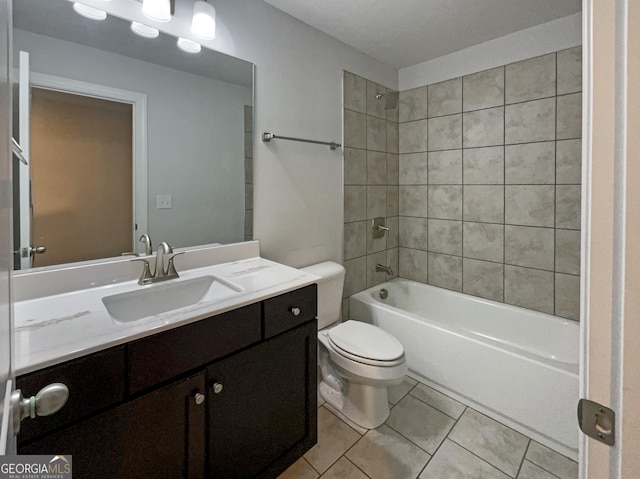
point(427, 436)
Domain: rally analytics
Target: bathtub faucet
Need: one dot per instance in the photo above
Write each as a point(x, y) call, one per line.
point(385, 269)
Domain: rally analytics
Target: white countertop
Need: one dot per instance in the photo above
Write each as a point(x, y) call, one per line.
point(55, 328)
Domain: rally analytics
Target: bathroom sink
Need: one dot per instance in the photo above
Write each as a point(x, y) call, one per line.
point(160, 298)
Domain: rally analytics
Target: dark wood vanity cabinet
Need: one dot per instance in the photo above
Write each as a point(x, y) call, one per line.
point(230, 412)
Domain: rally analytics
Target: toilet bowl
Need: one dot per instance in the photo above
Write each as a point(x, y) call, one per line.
point(357, 360)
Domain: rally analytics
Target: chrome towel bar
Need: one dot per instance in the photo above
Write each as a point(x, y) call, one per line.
point(267, 137)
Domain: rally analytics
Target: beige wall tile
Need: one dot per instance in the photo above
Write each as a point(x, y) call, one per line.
point(484, 203)
point(355, 239)
point(376, 134)
point(445, 133)
point(445, 236)
point(484, 128)
point(355, 203)
point(529, 205)
point(413, 232)
point(413, 136)
point(445, 271)
point(413, 168)
point(530, 122)
point(355, 129)
point(445, 202)
point(529, 288)
point(483, 279)
point(413, 264)
point(355, 167)
point(355, 92)
point(412, 200)
point(568, 251)
point(445, 98)
point(570, 116)
point(530, 164)
point(570, 70)
point(483, 166)
point(445, 167)
point(569, 162)
point(568, 206)
point(483, 241)
point(529, 246)
point(531, 79)
point(483, 89)
point(356, 276)
point(413, 105)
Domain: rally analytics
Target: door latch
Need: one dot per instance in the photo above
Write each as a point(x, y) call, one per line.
point(597, 421)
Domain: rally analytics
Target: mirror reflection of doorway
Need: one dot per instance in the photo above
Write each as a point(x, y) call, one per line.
point(81, 174)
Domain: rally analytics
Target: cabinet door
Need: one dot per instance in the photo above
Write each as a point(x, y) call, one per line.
point(266, 411)
point(159, 435)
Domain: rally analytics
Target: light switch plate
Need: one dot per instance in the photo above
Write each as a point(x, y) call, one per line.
point(164, 202)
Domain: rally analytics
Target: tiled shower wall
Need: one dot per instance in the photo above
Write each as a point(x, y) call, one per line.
point(489, 183)
point(484, 197)
point(371, 183)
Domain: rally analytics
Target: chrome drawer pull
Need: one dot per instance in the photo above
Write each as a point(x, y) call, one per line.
point(295, 311)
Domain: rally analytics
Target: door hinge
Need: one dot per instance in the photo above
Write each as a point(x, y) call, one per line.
point(597, 421)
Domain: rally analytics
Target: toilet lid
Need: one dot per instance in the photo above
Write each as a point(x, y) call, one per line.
point(366, 341)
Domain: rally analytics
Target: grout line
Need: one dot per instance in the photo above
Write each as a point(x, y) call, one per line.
point(524, 457)
point(482, 459)
point(355, 465)
point(504, 188)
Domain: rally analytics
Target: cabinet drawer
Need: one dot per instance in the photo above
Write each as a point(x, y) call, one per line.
point(95, 383)
point(157, 358)
point(279, 312)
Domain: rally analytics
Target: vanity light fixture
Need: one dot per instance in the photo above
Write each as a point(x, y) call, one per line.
point(203, 23)
point(158, 10)
point(188, 46)
point(144, 30)
point(89, 12)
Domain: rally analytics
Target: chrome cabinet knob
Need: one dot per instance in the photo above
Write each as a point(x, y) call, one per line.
point(295, 311)
point(48, 401)
point(199, 397)
point(217, 388)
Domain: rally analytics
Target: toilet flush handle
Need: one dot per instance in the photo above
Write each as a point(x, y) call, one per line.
point(295, 311)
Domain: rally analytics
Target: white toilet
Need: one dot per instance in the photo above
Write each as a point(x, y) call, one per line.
point(358, 361)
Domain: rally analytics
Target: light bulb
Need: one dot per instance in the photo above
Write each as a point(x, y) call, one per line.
point(188, 46)
point(158, 10)
point(203, 24)
point(89, 12)
point(144, 30)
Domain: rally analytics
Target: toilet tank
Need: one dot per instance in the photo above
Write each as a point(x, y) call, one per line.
point(329, 291)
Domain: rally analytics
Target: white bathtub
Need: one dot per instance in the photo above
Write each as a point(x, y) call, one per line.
point(516, 365)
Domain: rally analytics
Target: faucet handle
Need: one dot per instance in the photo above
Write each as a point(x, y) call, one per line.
point(146, 277)
point(171, 268)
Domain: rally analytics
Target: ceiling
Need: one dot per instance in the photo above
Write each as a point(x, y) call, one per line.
point(402, 33)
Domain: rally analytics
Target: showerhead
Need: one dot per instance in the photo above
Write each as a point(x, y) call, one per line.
point(390, 99)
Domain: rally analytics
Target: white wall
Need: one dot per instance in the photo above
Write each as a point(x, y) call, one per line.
point(298, 187)
point(539, 40)
point(207, 189)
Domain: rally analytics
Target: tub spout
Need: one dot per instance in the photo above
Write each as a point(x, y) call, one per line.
point(385, 269)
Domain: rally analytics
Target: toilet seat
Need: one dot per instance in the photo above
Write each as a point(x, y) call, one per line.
point(366, 343)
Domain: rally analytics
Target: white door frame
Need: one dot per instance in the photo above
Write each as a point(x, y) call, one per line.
point(610, 290)
point(139, 103)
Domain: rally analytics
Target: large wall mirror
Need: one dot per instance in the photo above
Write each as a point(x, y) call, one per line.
point(124, 136)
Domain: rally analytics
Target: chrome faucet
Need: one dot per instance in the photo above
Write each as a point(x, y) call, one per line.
point(146, 241)
point(385, 269)
point(159, 273)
